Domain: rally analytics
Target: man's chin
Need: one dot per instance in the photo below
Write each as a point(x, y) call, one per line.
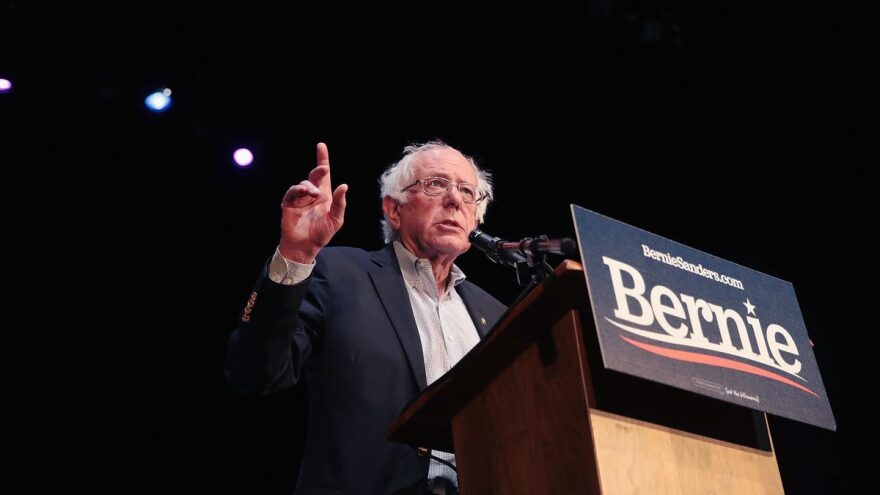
point(451, 246)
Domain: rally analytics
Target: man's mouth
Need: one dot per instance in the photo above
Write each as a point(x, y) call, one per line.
point(451, 223)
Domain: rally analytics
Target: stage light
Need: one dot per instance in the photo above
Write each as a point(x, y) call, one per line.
point(243, 157)
point(5, 85)
point(158, 101)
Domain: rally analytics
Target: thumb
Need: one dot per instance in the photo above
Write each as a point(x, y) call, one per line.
point(337, 208)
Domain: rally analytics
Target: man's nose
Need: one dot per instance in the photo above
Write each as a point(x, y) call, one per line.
point(453, 196)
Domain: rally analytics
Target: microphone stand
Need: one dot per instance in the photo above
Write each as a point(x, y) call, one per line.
point(531, 265)
point(528, 256)
point(533, 269)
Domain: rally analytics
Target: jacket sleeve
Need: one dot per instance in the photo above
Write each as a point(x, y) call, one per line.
point(276, 332)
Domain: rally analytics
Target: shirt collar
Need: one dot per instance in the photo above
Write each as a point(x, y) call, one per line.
point(411, 266)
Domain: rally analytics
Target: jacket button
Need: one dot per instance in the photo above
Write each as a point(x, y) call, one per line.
point(423, 452)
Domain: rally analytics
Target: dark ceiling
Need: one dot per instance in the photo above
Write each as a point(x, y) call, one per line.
point(726, 127)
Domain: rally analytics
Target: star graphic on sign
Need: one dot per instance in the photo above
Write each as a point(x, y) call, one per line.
point(750, 308)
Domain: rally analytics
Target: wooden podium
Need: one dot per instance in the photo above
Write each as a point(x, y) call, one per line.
point(531, 410)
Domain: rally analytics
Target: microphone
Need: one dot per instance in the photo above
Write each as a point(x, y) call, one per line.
point(565, 246)
point(511, 253)
point(492, 246)
point(528, 256)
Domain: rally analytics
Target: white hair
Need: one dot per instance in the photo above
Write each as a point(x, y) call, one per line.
point(400, 175)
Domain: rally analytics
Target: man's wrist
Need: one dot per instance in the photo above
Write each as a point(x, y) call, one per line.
point(298, 254)
point(288, 272)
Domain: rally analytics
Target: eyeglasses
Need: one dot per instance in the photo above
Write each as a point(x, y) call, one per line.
point(438, 186)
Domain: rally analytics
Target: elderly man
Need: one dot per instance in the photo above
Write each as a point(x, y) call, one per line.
point(368, 331)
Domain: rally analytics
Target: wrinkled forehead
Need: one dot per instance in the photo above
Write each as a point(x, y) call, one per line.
point(444, 162)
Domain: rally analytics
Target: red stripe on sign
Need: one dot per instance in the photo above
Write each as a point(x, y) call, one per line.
point(693, 357)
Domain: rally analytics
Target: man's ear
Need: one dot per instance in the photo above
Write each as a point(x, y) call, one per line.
point(391, 207)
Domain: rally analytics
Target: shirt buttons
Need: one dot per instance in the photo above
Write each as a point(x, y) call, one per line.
point(287, 281)
point(451, 338)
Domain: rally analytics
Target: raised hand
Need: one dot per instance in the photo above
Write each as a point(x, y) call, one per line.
point(311, 212)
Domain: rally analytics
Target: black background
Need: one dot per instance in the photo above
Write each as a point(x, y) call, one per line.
point(133, 241)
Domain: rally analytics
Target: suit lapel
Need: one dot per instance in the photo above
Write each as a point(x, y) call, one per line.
point(475, 308)
point(392, 292)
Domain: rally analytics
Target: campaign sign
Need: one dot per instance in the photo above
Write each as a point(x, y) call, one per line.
point(672, 314)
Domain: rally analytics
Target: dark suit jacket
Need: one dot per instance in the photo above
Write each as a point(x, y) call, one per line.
point(349, 332)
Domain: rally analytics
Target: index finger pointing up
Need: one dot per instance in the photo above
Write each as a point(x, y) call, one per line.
point(320, 175)
point(323, 155)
